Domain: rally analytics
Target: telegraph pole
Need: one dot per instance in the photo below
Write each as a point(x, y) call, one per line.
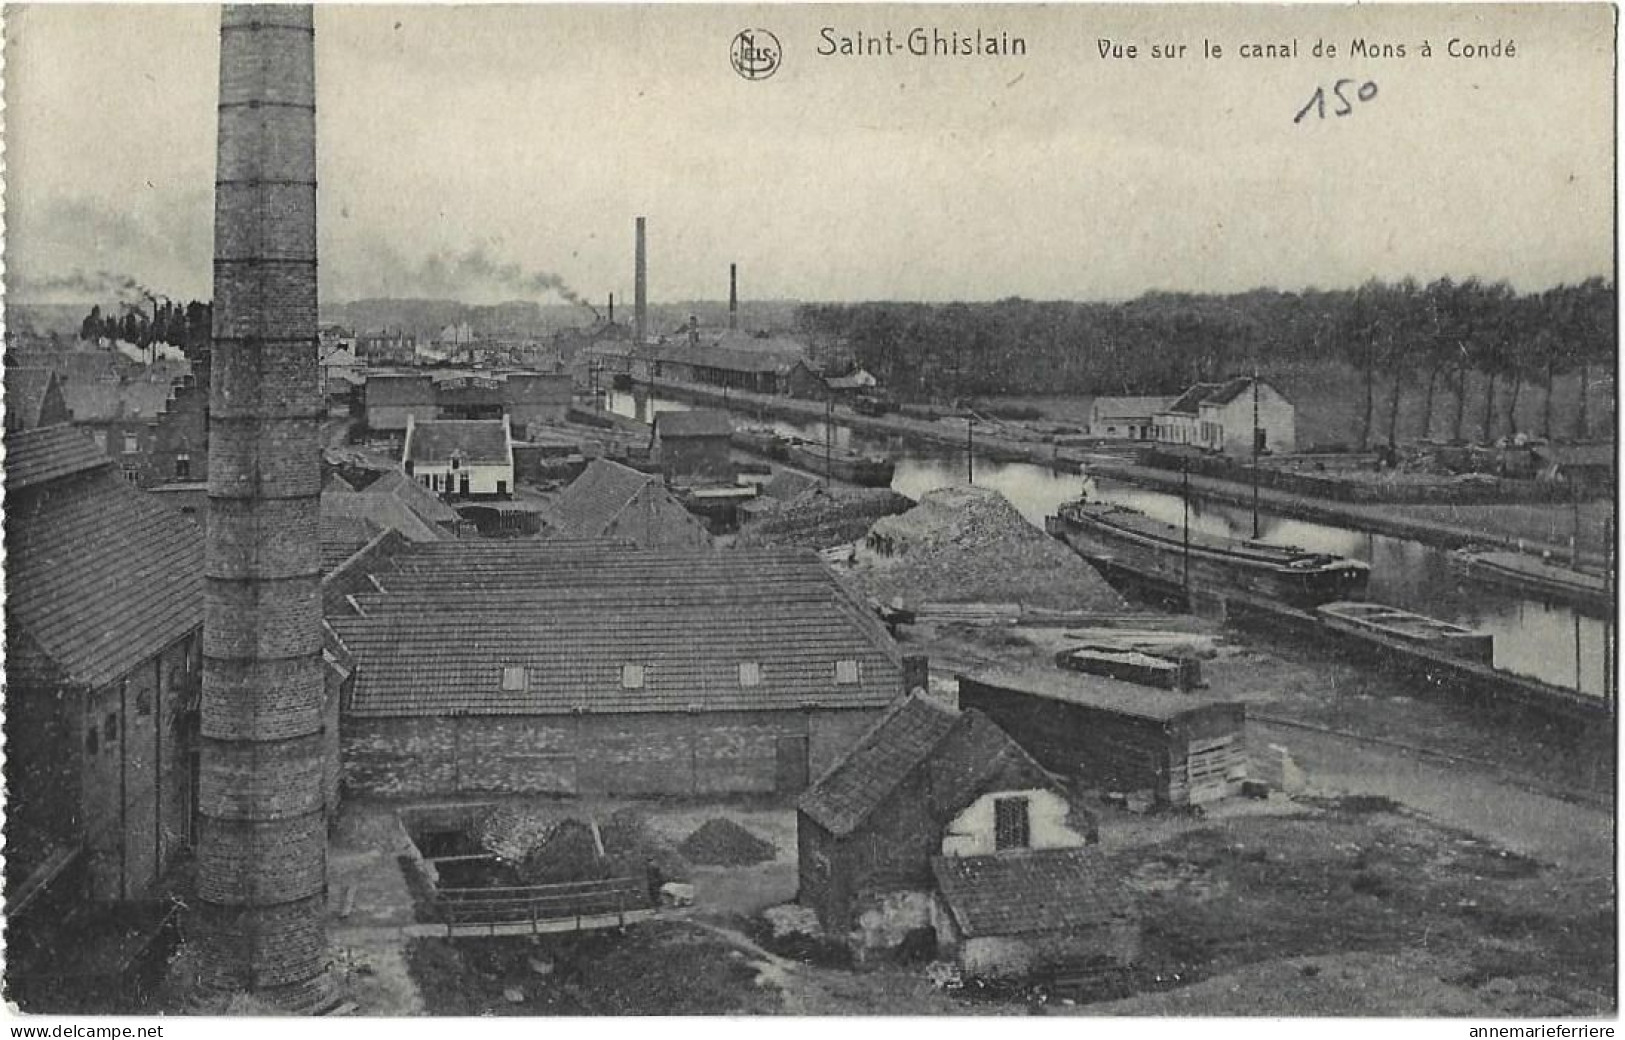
point(1185, 486)
point(970, 450)
point(1255, 452)
point(829, 440)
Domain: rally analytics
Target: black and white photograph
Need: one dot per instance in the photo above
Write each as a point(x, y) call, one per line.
point(727, 510)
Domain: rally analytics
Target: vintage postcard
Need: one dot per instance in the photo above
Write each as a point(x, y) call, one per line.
point(725, 510)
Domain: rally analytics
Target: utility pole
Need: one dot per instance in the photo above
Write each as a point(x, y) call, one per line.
point(1255, 452)
point(829, 440)
point(970, 450)
point(1185, 487)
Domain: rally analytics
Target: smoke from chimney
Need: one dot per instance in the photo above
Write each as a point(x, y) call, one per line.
point(640, 287)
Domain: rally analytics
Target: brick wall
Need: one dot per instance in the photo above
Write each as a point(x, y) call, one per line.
point(697, 754)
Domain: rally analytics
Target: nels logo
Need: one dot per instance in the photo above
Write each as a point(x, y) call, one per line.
point(755, 54)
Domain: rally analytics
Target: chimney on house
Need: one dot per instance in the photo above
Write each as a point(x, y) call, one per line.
point(733, 296)
point(262, 844)
point(640, 287)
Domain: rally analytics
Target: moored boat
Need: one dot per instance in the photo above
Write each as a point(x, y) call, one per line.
point(1428, 635)
point(760, 440)
point(1538, 577)
point(1130, 543)
point(841, 463)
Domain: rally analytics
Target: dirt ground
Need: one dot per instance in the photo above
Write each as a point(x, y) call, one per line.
point(1323, 906)
point(1467, 881)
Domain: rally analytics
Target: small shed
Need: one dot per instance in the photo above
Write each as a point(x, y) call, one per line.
point(926, 781)
point(693, 444)
point(1035, 911)
point(1118, 736)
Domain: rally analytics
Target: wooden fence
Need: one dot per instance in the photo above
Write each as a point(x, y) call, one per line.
point(536, 903)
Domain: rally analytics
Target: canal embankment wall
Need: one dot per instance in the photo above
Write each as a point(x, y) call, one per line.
point(1370, 518)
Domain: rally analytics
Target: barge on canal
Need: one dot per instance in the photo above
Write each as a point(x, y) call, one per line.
point(1129, 544)
point(1428, 636)
point(1536, 577)
point(841, 463)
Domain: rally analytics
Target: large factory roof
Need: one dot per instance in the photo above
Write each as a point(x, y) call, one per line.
point(522, 628)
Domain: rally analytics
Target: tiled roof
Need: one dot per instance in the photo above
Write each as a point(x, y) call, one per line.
point(612, 500)
point(1095, 691)
point(1231, 390)
point(36, 456)
point(733, 353)
point(1129, 407)
point(100, 402)
point(1190, 402)
point(414, 496)
point(1023, 893)
point(344, 535)
point(455, 615)
point(959, 754)
point(479, 442)
point(858, 784)
point(382, 511)
point(26, 392)
point(700, 422)
point(101, 576)
point(399, 390)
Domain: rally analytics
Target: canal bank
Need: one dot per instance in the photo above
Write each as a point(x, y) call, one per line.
point(1375, 519)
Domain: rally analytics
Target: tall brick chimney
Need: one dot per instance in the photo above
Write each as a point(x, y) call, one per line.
point(262, 853)
point(640, 288)
point(733, 296)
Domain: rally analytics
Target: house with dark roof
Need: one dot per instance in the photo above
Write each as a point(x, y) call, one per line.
point(609, 500)
point(693, 444)
point(1017, 913)
point(155, 426)
point(460, 458)
point(1177, 749)
point(1226, 418)
point(537, 667)
point(104, 616)
point(927, 781)
point(529, 399)
point(1125, 418)
point(33, 399)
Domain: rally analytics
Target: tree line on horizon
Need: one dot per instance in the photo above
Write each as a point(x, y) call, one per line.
point(188, 326)
point(1433, 336)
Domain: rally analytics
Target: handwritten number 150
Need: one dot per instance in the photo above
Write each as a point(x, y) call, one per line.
point(1317, 101)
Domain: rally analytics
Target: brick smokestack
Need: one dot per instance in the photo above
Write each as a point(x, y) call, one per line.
point(262, 854)
point(612, 308)
point(733, 296)
point(640, 287)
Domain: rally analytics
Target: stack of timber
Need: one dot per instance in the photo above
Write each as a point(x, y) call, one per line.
point(1135, 666)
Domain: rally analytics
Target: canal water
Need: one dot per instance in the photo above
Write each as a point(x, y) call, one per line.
point(1546, 641)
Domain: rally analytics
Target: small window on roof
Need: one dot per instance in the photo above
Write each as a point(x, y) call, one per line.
point(750, 673)
point(631, 677)
point(513, 678)
point(846, 673)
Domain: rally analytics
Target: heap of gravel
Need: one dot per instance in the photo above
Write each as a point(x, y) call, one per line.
point(723, 843)
point(970, 545)
point(819, 517)
point(543, 847)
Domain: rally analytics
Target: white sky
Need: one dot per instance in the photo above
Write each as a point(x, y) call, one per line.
point(537, 134)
